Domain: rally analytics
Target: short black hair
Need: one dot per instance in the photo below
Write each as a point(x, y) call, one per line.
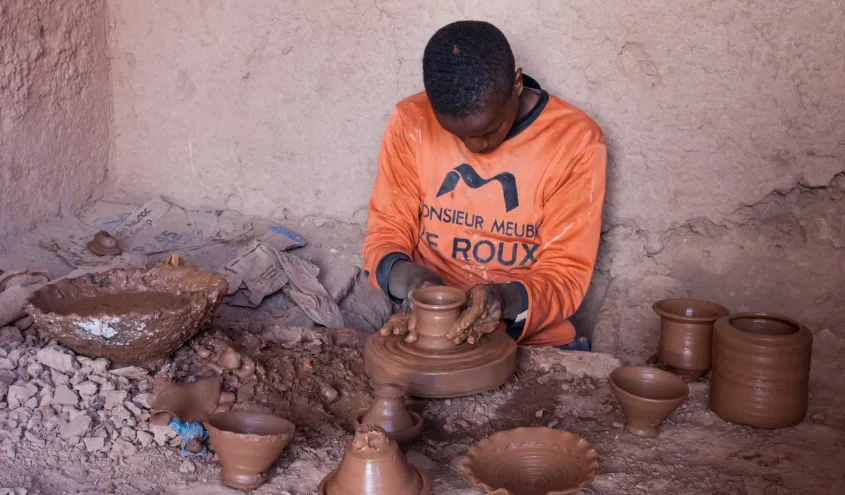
point(467, 65)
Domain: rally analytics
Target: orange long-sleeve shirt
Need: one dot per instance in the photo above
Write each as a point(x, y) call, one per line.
point(528, 212)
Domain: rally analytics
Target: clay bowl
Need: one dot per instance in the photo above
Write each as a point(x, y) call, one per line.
point(532, 461)
point(686, 334)
point(128, 316)
point(247, 445)
point(647, 396)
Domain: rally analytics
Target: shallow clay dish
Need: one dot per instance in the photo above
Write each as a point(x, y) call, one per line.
point(373, 465)
point(128, 316)
point(647, 396)
point(434, 366)
point(247, 445)
point(761, 370)
point(532, 461)
point(686, 332)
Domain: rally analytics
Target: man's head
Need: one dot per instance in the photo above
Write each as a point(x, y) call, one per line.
point(472, 83)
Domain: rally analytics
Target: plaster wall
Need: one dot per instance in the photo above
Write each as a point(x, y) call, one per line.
point(55, 109)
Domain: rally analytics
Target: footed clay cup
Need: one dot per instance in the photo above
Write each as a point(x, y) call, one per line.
point(130, 316)
point(103, 244)
point(686, 333)
point(647, 396)
point(390, 413)
point(532, 461)
point(247, 445)
point(436, 308)
point(761, 370)
point(373, 465)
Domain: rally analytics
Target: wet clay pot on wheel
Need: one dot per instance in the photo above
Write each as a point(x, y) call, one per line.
point(390, 413)
point(433, 366)
point(647, 396)
point(247, 445)
point(761, 370)
point(373, 465)
point(686, 333)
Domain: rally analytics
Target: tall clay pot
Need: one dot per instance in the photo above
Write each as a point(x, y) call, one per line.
point(761, 370)
point(686, 332)
point(436, 309)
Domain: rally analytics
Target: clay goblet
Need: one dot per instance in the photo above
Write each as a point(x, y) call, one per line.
point(436, 308)
point(247, 445)
point(390, 413)
point(647, 396)
point(686, 335)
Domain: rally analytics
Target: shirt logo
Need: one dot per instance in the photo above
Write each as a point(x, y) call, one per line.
point(466, 173)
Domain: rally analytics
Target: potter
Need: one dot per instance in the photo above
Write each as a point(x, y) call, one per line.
point(488, 184)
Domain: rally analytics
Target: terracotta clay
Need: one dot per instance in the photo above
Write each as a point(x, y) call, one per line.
point(647, 396)
point(686, 332)
point(186, 402)
point(761, 370)
point(434, 366)
point(373, 465)
point(247, 444)
point(103, 244)
point(390, 413)
point(531, 461)
point(128, 316)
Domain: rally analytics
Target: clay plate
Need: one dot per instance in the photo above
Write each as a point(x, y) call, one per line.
point(128, 316)
point(532, 461)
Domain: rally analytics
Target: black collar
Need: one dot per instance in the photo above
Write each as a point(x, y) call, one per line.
point(526, 120)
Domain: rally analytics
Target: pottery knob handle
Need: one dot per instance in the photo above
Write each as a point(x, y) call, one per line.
point(369, 437)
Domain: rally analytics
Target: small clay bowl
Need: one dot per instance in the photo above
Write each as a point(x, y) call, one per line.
point(532, 461)
point(247, 445)
point(390, 412)
point(647, 396)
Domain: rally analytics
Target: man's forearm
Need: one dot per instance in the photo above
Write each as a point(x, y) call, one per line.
point(406, 275)
point(511, 299)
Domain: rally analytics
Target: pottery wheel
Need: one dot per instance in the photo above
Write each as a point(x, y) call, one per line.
point(455, 372)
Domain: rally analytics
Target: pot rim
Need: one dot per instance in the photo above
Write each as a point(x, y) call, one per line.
point(727, 321)
point(459, 295)
point(617, 387)
point(658, 308)
point(289, 427)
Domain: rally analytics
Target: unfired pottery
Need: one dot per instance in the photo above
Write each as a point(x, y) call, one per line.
point(686, 332)
point(247, 444)
point(647, 396)
point(185, 402)
point(373, 465)
point(531, 461)
point(128, 316)
point(434, 366)
point(391, 414)
point(761, 370)
point(103, 244)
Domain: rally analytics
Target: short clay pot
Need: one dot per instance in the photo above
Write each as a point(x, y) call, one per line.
point(761, 370)
point(686, 333)
point(247, 444)
point(647, 396)
point(185, 402)
point(531, 461)
point(103, 244)
point(373, 465)
point(390, 413)
point(436, 308)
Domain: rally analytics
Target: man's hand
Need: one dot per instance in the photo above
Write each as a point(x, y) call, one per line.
point(404, 279)
point(482, 316)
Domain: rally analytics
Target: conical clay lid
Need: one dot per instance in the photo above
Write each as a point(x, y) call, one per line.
point(389, 410)
point(373, 465)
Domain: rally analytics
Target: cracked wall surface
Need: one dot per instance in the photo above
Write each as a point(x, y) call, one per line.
point(273, 107)
point(55, 109)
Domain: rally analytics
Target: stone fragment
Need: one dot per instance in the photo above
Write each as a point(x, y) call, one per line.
point(187, 467)
point(77, 427)
point(142, 400)
point(131, 372)
point(87, 388)
point(94, 444)
point(161, 434)
point(128, 433)
point(19, 394)
point(97, 366)
point(135, 410)
point(143, 438)
point(57, 358)
point(115, 398)
point(34, 370)
point(65, 396)
point(59, 378)
point(123, 448)
point(10, 334)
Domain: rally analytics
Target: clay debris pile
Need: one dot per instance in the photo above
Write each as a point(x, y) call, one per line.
point(49, 397)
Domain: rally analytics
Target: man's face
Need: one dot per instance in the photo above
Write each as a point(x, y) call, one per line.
point(487, 129)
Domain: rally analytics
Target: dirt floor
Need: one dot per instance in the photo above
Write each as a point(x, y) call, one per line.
point(70, 425)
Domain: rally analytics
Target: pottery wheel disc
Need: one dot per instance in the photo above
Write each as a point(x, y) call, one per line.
point(458, 371)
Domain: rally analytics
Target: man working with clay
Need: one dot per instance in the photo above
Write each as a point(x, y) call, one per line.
point(487, 183)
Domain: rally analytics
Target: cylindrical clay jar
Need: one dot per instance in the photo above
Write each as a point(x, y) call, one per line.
point(761, 370)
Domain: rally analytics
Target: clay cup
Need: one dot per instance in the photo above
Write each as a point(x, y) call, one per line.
point(436, 308)
point(647, 396)
point(390, 413)
point(247, 445)
point(686, 334)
